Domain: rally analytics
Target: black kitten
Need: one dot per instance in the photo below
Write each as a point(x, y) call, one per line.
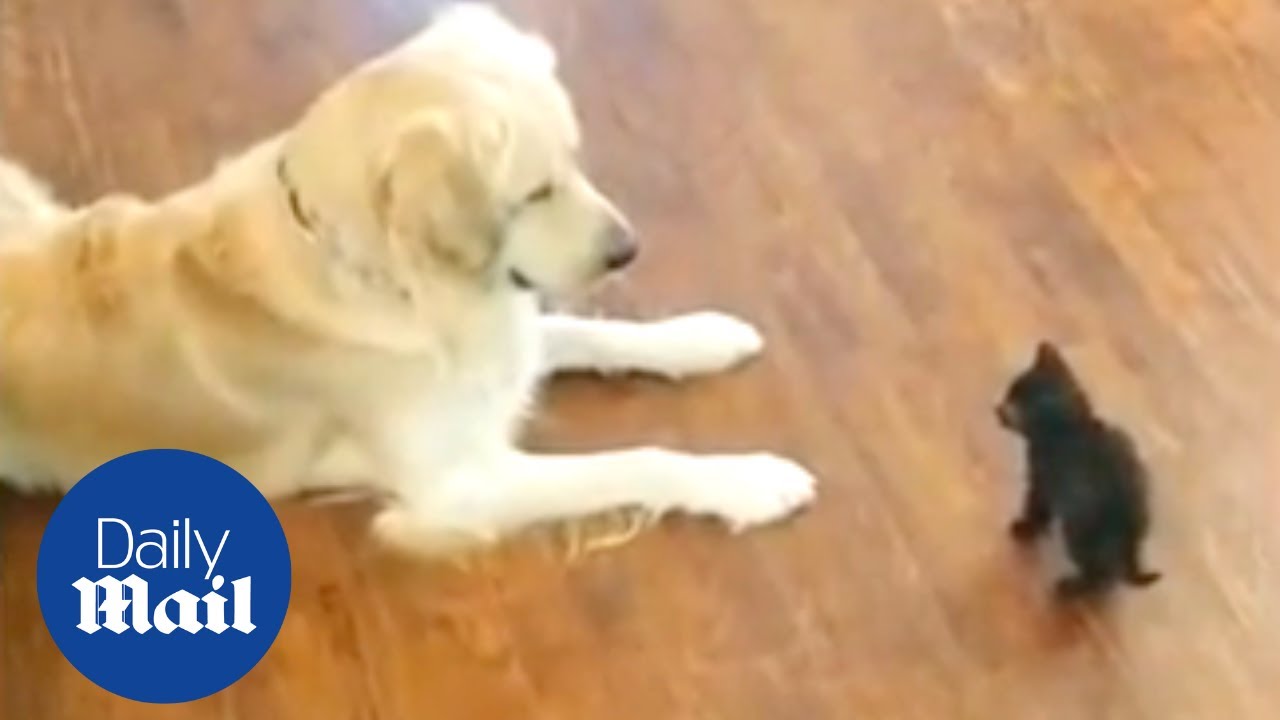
point(1082, 472)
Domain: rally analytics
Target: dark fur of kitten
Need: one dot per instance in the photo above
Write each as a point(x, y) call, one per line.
point(1082, 472)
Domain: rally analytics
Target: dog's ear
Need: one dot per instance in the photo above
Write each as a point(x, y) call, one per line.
point(432, 196)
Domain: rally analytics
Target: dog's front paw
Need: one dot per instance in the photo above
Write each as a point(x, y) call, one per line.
point(749, 490)
point(706, 342)
point(402, 531)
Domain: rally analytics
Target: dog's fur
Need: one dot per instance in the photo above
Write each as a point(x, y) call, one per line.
point(366, 281)
point(1081, 471)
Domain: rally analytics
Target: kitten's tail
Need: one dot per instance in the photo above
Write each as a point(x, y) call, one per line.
point(1135, 575)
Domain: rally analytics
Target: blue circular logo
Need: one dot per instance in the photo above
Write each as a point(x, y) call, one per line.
point(164, 576)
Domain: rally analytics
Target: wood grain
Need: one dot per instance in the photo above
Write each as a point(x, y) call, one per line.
point(906, 196)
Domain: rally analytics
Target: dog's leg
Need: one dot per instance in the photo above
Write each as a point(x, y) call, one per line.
point(485, 503)
point(676, 347)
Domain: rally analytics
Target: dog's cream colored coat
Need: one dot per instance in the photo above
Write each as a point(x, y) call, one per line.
point(361, 281)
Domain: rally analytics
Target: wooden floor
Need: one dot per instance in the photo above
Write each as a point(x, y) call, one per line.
point(906, 195)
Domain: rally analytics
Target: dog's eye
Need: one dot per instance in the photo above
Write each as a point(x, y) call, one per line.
point(542, 193)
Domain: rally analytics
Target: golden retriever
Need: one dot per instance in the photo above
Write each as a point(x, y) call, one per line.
point(371, 280)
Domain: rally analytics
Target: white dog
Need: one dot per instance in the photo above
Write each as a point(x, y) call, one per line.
point(368, 279)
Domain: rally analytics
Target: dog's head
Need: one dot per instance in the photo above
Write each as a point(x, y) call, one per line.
point(458, 153)
point(1045, 394)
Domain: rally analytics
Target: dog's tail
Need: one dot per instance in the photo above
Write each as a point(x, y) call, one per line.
point(23, 199)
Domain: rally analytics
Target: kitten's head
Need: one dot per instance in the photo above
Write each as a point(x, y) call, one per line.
point(1045, 394)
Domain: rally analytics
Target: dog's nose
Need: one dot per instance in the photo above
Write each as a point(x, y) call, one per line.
point(621, 247)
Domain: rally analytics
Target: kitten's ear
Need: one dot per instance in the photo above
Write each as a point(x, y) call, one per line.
point(1048, 355)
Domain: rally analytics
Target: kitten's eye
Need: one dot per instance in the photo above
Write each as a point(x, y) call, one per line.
point(540, 194)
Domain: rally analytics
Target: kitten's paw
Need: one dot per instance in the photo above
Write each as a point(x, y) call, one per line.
point(745, 491)
point(705, 342)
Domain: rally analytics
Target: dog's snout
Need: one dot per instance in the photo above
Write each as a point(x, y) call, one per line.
point(621, 247)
